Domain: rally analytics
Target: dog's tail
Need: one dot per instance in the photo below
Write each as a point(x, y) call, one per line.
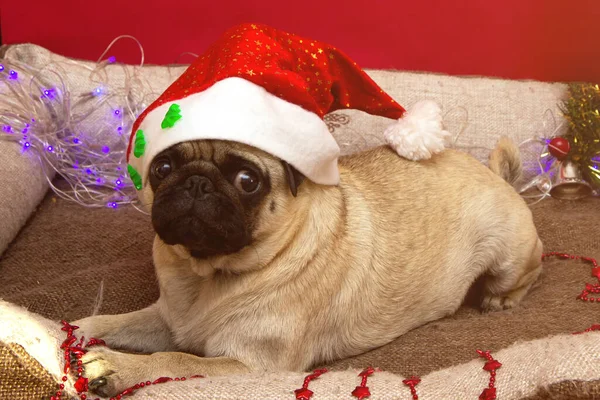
point(505, 161)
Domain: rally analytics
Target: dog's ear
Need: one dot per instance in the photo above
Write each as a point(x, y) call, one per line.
point(294, 178)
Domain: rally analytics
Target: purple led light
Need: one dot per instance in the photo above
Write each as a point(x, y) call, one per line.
point(111, 204)
point(88, 171)
point(1, 67)
point(98, 91)
point(117, 112)
point(119, 182)
point(112, 59)
point(50, 149)
point(49, 93)
point(13, 74)
point(547, 165)
point(25, 130)
point(7, 129)
point(76, 141)
point(27, 145)
point(105, 149)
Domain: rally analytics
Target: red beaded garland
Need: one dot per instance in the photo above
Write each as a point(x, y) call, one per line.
point(411, 383)
point(362, 391)
point(595, 327)
point(81, 385)
point(589, 288)
point(95, 342)
point(491, 366)
point(129, 391)
point(304, 393)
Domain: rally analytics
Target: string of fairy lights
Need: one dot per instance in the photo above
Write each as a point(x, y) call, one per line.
point(83, 137)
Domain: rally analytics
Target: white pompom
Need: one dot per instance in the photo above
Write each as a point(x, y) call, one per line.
point(419, 134)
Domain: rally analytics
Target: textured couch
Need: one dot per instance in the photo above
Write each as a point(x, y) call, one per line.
point(56, 254)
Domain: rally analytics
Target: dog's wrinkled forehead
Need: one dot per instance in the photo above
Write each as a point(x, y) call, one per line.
point(216, 151)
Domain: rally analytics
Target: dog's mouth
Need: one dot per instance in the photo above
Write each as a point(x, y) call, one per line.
point(222, 248)
point(208, 253)
point(204, 239)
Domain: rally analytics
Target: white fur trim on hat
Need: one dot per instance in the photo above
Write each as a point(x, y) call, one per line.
point(238, 110)
point(419, 133)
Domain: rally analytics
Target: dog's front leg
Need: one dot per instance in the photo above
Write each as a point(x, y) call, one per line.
point(142, 331)
point(110, 372)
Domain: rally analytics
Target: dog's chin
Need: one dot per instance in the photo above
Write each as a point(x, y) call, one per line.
point(205, 253)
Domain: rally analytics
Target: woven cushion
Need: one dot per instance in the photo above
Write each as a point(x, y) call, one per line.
point(562, 365)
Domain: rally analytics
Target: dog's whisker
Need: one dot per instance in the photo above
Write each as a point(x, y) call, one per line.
point(211, 264)
point(257, 255)
point(99, 298)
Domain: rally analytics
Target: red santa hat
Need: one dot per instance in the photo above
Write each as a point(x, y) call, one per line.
point(271, 89)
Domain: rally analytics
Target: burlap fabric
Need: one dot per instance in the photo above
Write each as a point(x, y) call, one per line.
point(568, 390)
point(21, 376)
point(31, 362)
point(22, 184)
point(537, 368)
point(480, 109)
point(525, 368)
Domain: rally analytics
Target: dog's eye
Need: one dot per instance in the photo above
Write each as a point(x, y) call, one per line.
point(246, 181)
point(161, 168)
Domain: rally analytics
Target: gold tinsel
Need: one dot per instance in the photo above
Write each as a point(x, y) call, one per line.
point(582, 111)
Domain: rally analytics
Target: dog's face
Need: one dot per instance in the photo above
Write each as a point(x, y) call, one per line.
point(210, 196)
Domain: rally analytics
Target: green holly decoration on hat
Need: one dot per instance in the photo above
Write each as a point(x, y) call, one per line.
point(139, 145)
point(172, 116)
point(135, 177)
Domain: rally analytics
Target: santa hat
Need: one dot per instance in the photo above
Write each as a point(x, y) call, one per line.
point(271, 89)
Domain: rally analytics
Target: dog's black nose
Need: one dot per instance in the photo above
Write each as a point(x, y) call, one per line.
point(198, 185)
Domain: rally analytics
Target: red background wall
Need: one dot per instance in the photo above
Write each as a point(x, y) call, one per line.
point(552, 40)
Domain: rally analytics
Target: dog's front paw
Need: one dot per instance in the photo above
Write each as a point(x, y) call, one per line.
point(98, 327)
point(497, 303)
point(110, 372)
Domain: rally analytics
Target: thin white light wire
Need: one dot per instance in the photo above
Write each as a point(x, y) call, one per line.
point(115, 40)
point(539, 180)
point(544, 176)
point(463, 128)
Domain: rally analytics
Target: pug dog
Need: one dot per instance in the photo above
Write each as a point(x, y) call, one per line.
point(261, 269)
